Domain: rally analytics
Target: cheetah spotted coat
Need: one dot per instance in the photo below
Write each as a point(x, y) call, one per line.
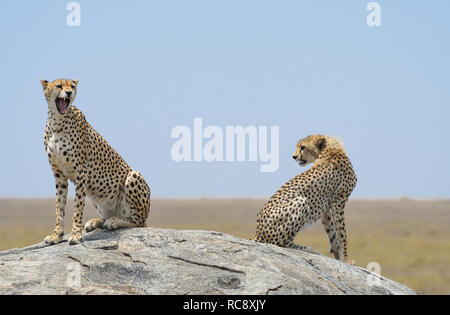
point(78, 153)
point(319, 193)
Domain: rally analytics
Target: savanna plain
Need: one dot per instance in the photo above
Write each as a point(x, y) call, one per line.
point(409, 239)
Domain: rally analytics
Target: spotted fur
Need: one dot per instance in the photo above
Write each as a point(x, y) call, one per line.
point(78, 153)
point(321, 192)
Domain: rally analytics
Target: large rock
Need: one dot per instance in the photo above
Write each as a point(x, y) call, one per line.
point(159, 261)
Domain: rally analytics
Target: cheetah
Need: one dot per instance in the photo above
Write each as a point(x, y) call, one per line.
point(77, 152)
point(321, 192)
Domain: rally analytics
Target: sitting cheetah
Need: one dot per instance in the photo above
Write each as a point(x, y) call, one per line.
point(79, 153)
point(320, 192)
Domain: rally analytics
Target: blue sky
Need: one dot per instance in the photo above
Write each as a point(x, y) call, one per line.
point(305, 66)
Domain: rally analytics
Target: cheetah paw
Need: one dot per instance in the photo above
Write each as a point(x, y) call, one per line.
point(115, 223)
point(76, 239)
point(93, 224)
point(53, 239)
point(112, 223)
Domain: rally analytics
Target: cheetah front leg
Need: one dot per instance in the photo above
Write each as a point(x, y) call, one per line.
point(330, 229)
point(61, 198)
point(336, 226)
point(77, 219)
point(135, 200)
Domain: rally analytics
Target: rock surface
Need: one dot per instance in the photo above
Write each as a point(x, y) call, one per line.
point(160, 261)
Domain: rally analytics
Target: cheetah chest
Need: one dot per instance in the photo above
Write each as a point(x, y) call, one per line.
point(58, 152)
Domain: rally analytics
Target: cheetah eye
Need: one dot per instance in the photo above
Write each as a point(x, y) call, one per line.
point(59, 86)
point(73, 86)
point(302, 148)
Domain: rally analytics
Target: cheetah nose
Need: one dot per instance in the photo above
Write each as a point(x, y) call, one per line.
point(294, 157)
point(69, 93)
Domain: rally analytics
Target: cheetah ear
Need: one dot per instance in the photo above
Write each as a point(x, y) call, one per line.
point(44, 83)
point(321, 143)
point(76, 81)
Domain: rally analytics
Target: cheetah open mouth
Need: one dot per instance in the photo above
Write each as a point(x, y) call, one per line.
point(62, 104)
point(302, 162)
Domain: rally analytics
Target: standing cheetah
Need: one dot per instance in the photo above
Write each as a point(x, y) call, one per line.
point(79, 153)
point(319, 193)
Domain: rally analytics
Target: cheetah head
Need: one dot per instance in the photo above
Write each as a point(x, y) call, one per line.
point(308, 149)
point(60, 94)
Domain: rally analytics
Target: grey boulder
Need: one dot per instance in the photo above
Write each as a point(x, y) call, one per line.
point(163, 261)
